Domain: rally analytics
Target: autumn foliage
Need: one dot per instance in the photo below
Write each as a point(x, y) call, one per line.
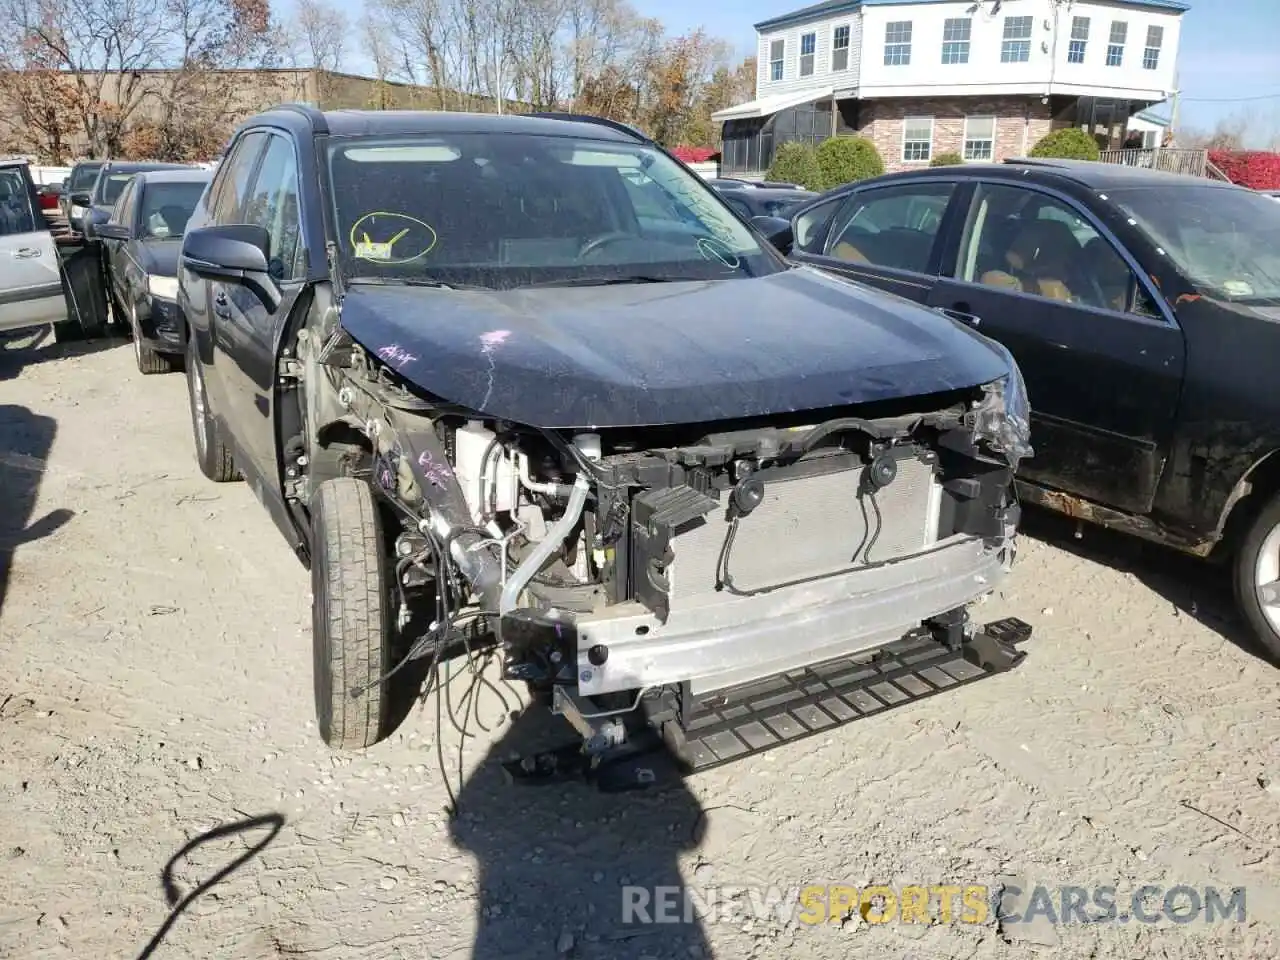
point(1257, 169)
point(169, 79)
point(126, 78)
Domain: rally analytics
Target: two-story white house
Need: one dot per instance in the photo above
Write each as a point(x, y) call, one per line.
point(982, 78)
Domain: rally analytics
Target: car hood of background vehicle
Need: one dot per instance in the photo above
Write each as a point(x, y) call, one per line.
point(160, 257)
point(666, 353)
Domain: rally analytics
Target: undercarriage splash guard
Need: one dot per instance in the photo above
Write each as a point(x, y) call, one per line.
point(730, 725)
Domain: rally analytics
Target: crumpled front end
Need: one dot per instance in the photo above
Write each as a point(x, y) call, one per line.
point(633, 576)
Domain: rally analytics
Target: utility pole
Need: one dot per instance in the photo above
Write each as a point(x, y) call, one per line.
point(1173, 115)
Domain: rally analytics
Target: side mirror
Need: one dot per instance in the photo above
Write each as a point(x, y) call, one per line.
point(112, 231)
point(777, 231)
point(233, 253)
point(81, 199)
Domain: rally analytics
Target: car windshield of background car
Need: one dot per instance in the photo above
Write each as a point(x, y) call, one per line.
point(1227, 242)
point(166, 207)
point(505, 210)
point(82, 178)
point(110, 188)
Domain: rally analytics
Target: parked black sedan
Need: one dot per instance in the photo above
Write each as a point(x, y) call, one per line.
point(141, 242)
point(98, 202)
point(761, 201)
point(1142, 308)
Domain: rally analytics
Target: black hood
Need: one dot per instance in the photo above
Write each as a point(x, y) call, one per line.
point(666, 353)
point(159, 257)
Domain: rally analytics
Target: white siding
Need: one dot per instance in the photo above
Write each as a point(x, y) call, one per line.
point(1047, 70)
point(1131, 74)
point(1047, 62)
point(823, 76)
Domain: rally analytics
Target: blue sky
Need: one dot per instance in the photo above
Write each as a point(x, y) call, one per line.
point(1230, 50)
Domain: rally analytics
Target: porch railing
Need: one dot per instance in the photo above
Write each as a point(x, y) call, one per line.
point(1194, 163)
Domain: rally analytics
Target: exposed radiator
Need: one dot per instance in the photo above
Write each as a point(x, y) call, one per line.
point(809, 527)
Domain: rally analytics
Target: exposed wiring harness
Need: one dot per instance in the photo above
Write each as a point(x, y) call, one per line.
point(450, 626)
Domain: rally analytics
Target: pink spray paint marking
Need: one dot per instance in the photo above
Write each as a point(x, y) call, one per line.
point(488, 343)
point(396, 355)
point(437, 473)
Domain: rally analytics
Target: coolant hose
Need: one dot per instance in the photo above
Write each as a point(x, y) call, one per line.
point(556, 534)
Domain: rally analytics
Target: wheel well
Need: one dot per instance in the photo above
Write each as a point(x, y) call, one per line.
point(342, 433)
point(1252, 492)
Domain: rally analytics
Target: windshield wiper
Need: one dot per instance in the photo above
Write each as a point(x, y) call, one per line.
point(408, 282)
point(600, 281)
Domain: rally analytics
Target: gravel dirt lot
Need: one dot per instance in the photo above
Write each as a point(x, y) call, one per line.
point(155, 685)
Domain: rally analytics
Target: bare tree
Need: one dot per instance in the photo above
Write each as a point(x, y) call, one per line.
point(322, 30)
point(104, 46)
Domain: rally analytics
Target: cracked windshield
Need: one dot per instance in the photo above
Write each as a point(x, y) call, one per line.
point(502, 211)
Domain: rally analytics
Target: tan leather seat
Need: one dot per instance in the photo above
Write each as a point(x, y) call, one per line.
point(1036, 260)
point(1000, 278)
point(844, 250)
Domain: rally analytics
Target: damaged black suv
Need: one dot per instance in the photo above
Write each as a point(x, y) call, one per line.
point(530, 379)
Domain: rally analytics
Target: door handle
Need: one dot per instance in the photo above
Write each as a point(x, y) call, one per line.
point(26, 253)
point(960, 311)
point(220, 298)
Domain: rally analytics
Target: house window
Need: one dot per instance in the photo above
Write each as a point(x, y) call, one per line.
point(897, 43)
point(1115, 48)
point(777, 51)
point(979, 138)
point(808, 43)
point(1079, 39)
point(840, 48)
point(917, 139)
point(955, 39)
point(1016, 46)
point(1151, 55)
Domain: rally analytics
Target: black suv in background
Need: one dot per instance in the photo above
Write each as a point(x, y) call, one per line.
point(1144, 311)
point(109, 183)
point(79, 182)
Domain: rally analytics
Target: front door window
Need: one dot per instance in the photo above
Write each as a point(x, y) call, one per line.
point(1028, 242)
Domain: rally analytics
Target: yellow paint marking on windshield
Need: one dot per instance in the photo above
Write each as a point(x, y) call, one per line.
point(382, 251)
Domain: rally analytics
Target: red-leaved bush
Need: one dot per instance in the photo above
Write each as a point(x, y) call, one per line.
point(1249, 168)
point(695, 154)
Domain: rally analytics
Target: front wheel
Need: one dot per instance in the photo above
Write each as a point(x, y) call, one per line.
point(1257, 576)
point(351, 616)
point(212, 454)
point(148, 360)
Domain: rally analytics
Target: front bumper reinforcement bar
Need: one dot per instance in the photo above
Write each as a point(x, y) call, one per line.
point(731, 724)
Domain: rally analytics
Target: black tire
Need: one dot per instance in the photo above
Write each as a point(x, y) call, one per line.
point(1249, 559)
point(351, 614)
point(149, 362)
point(212, 454)
point(68, 331)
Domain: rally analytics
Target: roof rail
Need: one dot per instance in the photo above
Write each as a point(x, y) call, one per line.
point(313, 115)
point(602, 121)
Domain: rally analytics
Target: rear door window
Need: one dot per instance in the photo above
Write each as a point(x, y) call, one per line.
point(893, 227)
